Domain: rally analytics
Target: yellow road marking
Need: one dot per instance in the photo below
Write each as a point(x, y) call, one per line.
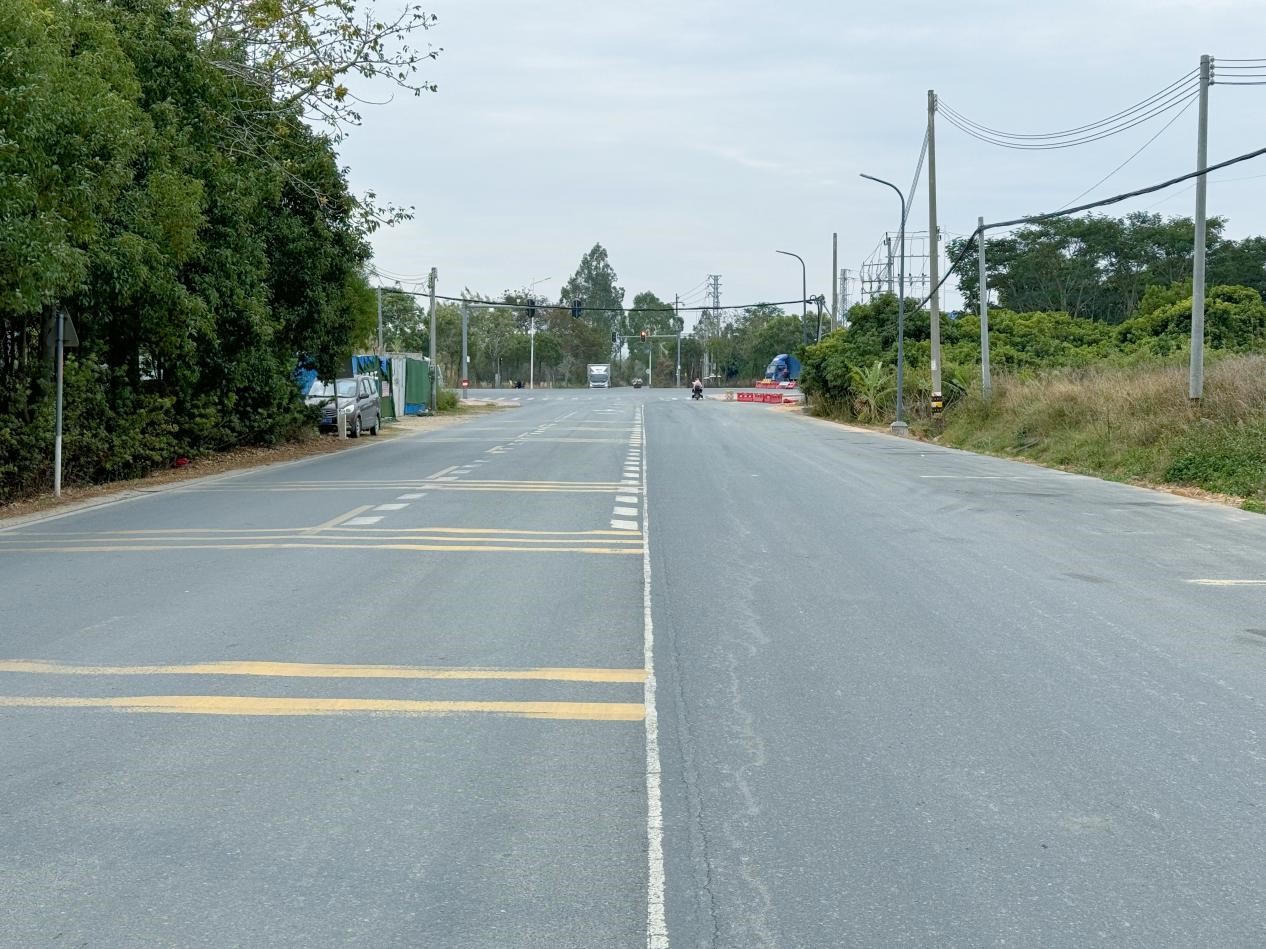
point(327, 670)
point(336, 521)
point(459, 548)
point(165, 531)
point(347, 533)
point(259, 705)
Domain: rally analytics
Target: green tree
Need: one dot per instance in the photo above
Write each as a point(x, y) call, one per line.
point(594, 286)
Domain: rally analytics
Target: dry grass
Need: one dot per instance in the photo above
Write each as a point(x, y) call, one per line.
point(1131, 423)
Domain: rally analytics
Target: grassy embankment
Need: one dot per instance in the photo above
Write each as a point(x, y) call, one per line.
point(1130, 424)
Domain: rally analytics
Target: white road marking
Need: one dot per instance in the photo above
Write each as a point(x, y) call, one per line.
point(626, 498)
point(410, 497)
point(626, 511)
point(443, 472)
point(979, 477)
point(390, 507)
point(656, 919)
point(620, 525)
point(361, 521)
point(1229, 583)
point(448, 478)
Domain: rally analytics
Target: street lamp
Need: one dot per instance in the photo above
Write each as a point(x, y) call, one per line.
point(804, 293)
point(899, 427)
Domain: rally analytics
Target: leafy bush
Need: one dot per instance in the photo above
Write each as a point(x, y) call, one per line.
point(446, 400)
point(1229, 459)
point(826, 375)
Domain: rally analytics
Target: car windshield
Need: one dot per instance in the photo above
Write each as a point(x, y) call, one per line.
point(346, 389)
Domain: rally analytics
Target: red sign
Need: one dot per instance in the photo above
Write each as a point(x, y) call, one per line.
point(465, 383)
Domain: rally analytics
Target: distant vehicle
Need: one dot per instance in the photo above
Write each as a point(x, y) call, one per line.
point(782, 369)
point(358, 403)
point(637, 383)
point(599, 375)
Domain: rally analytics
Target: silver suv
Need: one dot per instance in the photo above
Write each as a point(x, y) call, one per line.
point(358, 403)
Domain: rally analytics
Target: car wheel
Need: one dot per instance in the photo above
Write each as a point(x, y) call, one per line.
point(356, 425)
point(377, 425)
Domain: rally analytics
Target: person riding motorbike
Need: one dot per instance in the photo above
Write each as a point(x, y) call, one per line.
point(696, 389)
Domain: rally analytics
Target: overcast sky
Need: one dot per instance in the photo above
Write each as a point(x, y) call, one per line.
point(696, 137)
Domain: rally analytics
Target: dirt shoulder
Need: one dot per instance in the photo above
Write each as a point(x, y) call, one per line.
point(75, 497)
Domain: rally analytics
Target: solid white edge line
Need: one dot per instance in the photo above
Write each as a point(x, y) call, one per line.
point(656, 919)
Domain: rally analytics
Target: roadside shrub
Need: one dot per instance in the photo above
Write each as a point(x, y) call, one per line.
point(1229, 459)
point(826, 375)
point(445, 400)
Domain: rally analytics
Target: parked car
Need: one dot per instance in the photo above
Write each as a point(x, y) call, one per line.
point(357, 402)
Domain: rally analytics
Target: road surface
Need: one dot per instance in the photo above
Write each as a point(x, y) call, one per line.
point(900, 696)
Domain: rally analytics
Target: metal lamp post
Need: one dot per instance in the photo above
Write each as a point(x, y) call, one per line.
point(804, 294)
point(899, 427)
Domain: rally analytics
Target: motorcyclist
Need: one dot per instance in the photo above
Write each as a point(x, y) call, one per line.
point(696, 386)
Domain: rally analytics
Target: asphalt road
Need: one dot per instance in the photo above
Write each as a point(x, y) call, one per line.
point(904, 696)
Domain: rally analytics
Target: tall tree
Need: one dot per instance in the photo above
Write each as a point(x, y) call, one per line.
point(594, 286)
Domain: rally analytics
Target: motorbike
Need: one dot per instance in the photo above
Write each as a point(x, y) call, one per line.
point(696, 392)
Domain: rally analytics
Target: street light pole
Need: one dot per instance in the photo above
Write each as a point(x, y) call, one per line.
point(804, 296)
point(899, 427)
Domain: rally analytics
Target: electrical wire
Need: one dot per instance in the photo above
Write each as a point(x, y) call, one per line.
point(1139, 106)
point(1178, 99)
point(918, 171)
point(1140, 151)
point(1103, 202)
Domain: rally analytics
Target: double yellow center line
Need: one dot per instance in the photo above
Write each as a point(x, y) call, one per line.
point(248, 705)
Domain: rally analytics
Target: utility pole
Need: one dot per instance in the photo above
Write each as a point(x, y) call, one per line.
point(1195, 387)
point(650, 360)
point(843, 296)
point(888, 249)
point(532, 344)
point(677, 317)
point(435, 382)
point(804, 296)
point(379, 322)
point(465, 379)
point(934, 253)
point(57, 427)
point(986, 386)
point(835, 264)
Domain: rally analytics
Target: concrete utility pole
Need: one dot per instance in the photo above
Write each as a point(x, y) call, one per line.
point(986, 386)
point(677, 316)
point(57, 425)
point(465, 358)
point(835, 266)
point(888, 249)
point(435, 382)
point(843, 296)
point(379, 322)
point(1195, 387)
point(934, 252)
point(532, 345)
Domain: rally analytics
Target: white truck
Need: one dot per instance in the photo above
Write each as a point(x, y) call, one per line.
point(599, 375)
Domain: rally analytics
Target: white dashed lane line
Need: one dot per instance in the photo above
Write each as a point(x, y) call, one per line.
point(390, 507)
point(410, 497)
point(361, 521)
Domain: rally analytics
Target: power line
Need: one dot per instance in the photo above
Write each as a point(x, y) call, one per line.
point(1140, 151)
point(1180, 98)
point(1139, 106)
point(1103, 202)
